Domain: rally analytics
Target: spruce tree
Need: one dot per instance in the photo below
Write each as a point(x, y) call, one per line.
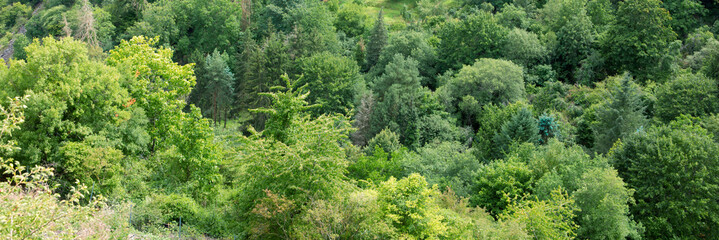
point(377, 42)
point(521, 128)
point(622, 115)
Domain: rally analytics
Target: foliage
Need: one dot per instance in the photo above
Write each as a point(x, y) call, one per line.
point(351, 19)
point(214, 90)
point(408, 204)
point(464, 41)
point(672, 168)
point(546, 219)
point(498, 182)
point(188, 25)
point(619, 117)
point(159, 86)
point(636, 44)
point(386, 140)
point(377, 41)
point(298, 158)
point(487, 81)
point(523, 48)
point(447, 164)
point(689, 94)
point(331, 81)
point(521, 128)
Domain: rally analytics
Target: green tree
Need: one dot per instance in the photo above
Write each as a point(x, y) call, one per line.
point(189, 25)
point(674, 172)
point(74, 99)
point(262, 66)
point(498, 182)
point(412, 44)
point(523, 48)
point(487, 81)
point(332, 81)
point(410, 207)
point(639, 38)
point(377, 41)
point(686, 15)
point(691, 94)
point(520, 129)
point(399, 100)
point(464, 41)
point(351, 19)
point(620, 116)
point(296, 158)
point(216, 84)
point(450, 165)
point(546, 219)
point(574, 44)
point(182, 142)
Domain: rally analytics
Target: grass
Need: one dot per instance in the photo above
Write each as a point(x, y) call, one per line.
point(391, 9)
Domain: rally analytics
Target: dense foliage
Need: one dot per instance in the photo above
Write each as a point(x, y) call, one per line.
point(339, 119)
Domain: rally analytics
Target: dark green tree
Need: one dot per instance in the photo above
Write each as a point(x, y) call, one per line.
point(574, 44)
point(217, 81)
point(690, 94)
point(377, 41)
point(639, 38)
point(620, 116)
point(520, 129)
point(674, 170)
point(463, 41)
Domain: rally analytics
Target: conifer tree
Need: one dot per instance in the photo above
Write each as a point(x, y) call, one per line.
point(377, 41)
point(622, 115)
point(521, 128)
point(218, 80)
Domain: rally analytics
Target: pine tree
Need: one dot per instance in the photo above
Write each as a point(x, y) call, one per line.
point(377, 42)
point(218, 85)
point(622, 115)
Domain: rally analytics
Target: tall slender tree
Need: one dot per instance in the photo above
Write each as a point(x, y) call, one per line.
point(218, 80)
point(377, 42)
point(621, 115)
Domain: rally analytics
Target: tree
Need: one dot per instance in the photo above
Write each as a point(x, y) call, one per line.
point(674, 172)
point(686, 15)
point(620, 116)
point(296, 157)
point(464, 41)
point(412, 44)
point(546, 219)
point(217, 81)
point(639, 38)
point(74, 100)
point(450, 165)
point(332, 81)
point(409, 206)
point(351, 19)
point(262, 66)
point(181, 141)
point(498, 183)
point(520, 129)
point(377, 41)
point(399, 96)
point(523, 48)
point(690, 94)
point(190, 25)
point(574, 44)
point(602, 197)
point(487, 81)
